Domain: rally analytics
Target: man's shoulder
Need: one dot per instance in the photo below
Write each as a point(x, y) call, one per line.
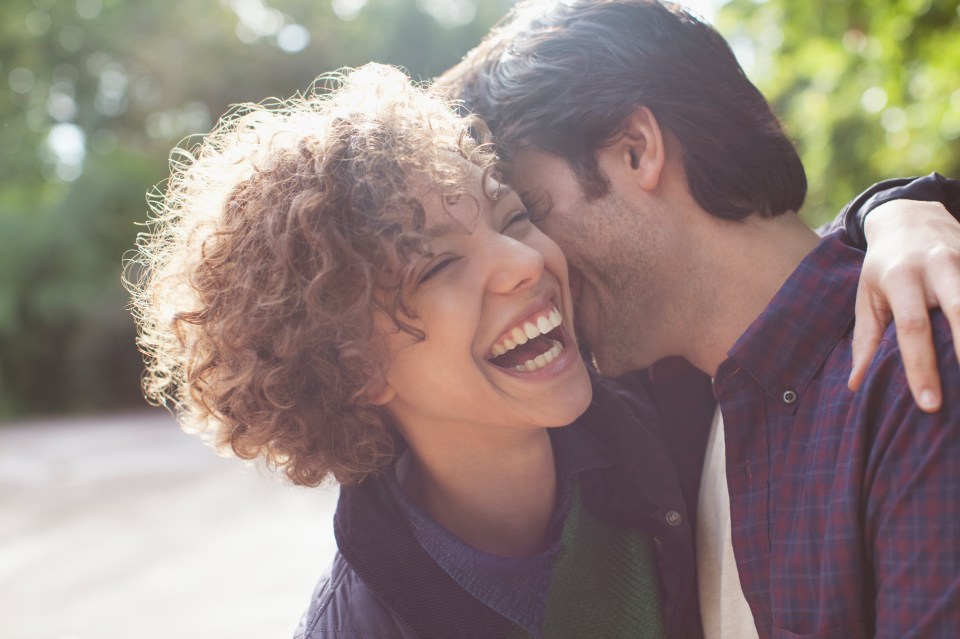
point(343, 606)
point(886, 370)
point(885, 406)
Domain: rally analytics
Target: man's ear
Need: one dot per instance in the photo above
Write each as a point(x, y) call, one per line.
point(640, 148)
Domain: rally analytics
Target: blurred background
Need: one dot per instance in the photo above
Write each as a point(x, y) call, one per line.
point(94, 95)
point(97, 92)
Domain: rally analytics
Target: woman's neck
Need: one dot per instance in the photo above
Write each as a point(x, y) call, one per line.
point(498, 496)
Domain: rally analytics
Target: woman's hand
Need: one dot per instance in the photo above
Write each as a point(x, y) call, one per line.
point(912, 265)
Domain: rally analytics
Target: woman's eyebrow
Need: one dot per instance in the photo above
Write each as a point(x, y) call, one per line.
point(504, 193)
point(506, 190)
point(441, 230)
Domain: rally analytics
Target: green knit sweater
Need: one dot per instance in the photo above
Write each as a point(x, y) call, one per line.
point(604, 584)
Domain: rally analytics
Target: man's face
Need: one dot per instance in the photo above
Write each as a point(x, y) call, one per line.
point(618, 253)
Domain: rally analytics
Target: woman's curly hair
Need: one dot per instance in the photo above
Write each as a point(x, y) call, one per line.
point(274, 244)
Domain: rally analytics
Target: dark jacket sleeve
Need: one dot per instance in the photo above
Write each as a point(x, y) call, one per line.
point(344, 607)
point(929, 188)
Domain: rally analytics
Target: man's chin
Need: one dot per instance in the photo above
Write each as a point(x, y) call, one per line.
point(586, 350)
point(605, 362)
point(606, 366)
point(619, 362)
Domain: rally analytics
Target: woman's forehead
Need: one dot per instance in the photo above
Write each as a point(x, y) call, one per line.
point(460, 212)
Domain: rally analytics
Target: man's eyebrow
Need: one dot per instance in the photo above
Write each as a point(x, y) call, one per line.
point(537, 200)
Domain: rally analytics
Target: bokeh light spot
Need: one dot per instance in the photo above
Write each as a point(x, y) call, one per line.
point(89, 9)
point(21, 80)
point(874, 99)
point(293, 38)
point(348, 10)
point(38, 22)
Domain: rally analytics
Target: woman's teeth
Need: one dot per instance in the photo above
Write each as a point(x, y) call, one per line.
point(532, 329)
point(541, 360)
point(527, 331)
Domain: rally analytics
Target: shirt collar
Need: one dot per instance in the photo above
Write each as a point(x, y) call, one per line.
point(790, 340)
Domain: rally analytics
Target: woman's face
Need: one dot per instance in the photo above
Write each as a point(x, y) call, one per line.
point(494, 303)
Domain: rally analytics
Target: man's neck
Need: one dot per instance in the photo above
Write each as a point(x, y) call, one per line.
point(743, 265)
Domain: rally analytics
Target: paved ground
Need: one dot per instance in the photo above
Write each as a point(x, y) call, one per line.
point(123, 527)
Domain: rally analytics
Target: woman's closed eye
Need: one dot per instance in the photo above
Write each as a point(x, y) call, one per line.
point(436, 267)
point(516, 218)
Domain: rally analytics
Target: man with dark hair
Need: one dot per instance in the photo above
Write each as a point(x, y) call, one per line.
point(646, 153)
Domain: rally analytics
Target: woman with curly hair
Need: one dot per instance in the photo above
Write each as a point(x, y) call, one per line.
point(338, 284)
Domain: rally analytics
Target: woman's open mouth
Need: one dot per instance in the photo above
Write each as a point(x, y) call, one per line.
point(532, 344)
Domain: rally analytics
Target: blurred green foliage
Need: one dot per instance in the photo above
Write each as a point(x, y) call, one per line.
point(97, 92)
point(869, 89)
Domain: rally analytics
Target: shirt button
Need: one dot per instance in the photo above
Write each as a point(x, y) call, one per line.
point(789, 397)
point(674, 518)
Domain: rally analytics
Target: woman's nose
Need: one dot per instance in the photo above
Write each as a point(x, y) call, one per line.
point(515, 266)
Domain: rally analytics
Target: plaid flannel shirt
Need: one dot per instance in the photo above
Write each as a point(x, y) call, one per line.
point(845, 507)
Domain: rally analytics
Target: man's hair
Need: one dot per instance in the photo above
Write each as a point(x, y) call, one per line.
point(563, 76)
point(273, 247)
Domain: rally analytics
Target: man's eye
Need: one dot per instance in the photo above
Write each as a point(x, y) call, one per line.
point(436, 268)
point(519, 216)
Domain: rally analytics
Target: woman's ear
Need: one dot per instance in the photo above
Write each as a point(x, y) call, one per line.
point(380, 394)
point(640, 149)
point(379, 391)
